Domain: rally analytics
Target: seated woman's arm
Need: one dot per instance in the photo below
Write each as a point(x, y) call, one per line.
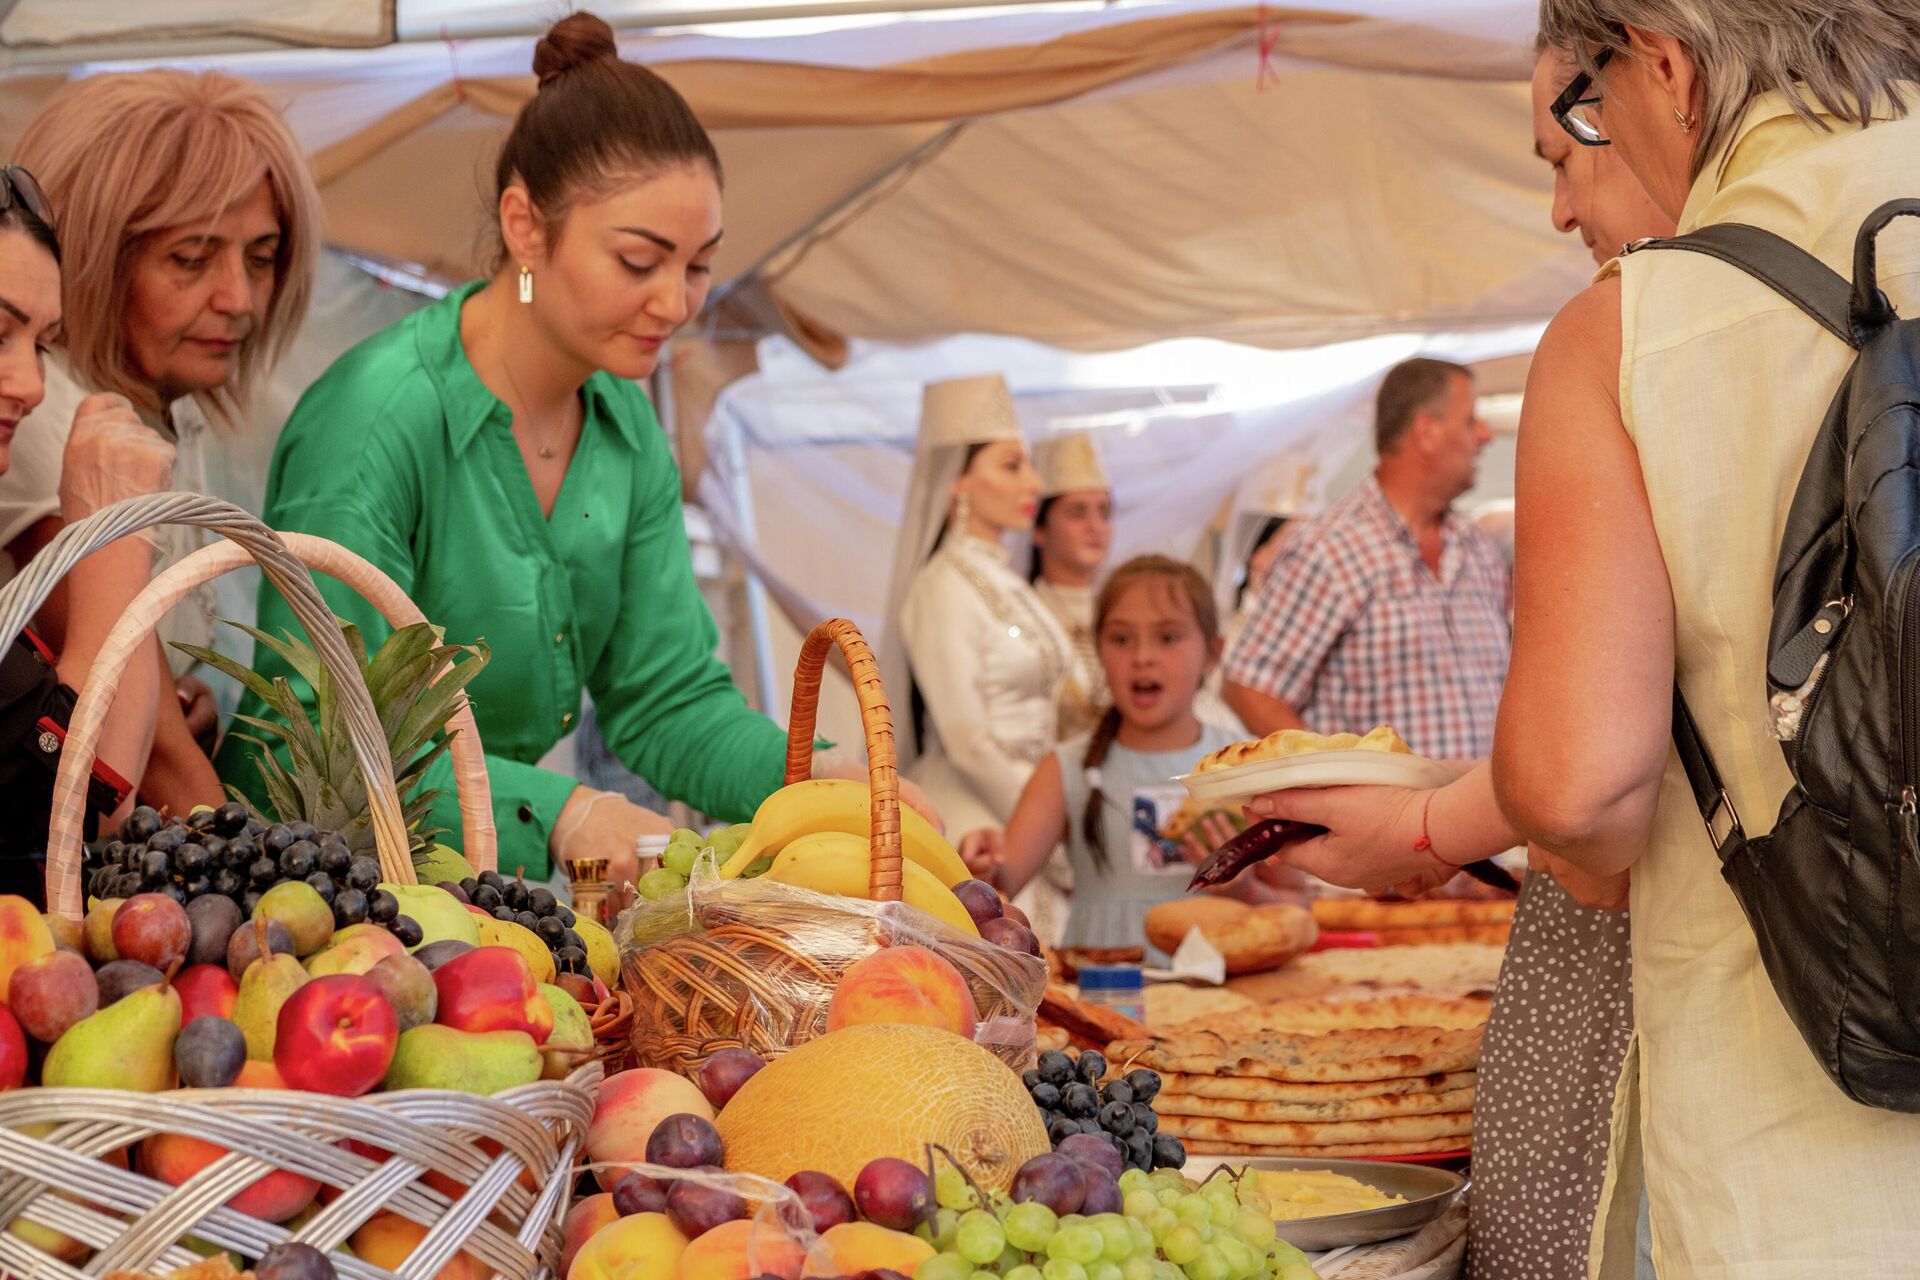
point(1583, 736)
point(111, 454)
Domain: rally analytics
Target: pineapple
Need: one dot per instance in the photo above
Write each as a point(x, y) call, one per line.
point(323, 786)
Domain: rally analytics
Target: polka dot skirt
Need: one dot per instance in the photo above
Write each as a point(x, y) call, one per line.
point(1562, 1020)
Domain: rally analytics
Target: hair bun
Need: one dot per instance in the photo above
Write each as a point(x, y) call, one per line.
point(571, 43)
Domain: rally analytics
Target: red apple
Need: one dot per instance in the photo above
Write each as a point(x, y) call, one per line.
point(206, 991)
point(336, 1035)
point(492, 989)
point(13, 1051)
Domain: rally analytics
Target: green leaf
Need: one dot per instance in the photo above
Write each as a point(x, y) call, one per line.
point(255, 683)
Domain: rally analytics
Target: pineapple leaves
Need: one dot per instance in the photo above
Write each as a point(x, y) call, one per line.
point(416, 681)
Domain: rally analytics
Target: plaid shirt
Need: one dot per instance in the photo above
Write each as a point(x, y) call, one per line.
point(1352, 629)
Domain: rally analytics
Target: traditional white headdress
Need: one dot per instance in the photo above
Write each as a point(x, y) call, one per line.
point(1070, 464)
point(954, 415)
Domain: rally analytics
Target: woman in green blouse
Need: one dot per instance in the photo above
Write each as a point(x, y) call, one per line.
point(495, 456)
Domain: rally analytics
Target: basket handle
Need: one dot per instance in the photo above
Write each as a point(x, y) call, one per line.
point(24, 595)
point(876, 718)
point(479, 841)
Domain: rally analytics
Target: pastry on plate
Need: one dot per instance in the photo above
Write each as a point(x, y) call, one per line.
point(1299, 742)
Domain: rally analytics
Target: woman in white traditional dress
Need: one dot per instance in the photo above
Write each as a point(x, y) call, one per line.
point(974, 655)
point(1071, 537)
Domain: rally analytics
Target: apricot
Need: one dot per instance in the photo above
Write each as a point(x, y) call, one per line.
point(23, 935)
point(903, 984)
point(582, 1221)
point(387, 1239)
point(853, 1247)
point(630, 1104)
point(742, 1250)
point(646, 1244)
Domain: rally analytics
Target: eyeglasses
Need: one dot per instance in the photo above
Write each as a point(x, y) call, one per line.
point(1578, 111)
point(16, 184)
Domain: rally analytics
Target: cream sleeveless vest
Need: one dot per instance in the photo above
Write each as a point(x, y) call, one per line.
point(1757, 1167)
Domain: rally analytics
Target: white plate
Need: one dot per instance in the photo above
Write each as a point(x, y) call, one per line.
point(1241, 783)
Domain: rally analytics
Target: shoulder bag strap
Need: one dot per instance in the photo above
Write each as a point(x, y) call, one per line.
point(1781, 265)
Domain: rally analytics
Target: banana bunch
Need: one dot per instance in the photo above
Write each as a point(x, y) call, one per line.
point(838, 863)
point(839, 804)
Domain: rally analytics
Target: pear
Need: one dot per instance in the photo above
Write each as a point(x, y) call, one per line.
point(267, 985)
point(483, 1062)
point(570, 1043)
point(127, 1045)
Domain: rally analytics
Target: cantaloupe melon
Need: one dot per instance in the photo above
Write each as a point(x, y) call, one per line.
point(885, 1089)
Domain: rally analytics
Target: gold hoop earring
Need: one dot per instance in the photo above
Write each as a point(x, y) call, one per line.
point(1685, 121)
point(526, 285)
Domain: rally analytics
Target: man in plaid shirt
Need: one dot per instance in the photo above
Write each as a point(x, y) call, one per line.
point(1389, 608)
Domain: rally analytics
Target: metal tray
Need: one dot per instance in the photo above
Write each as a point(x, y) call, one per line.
point(1428, 1193)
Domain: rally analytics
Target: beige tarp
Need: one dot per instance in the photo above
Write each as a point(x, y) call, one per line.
point(1121, 180)
point(334, 23)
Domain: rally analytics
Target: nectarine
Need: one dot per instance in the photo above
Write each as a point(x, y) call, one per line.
point(903, 984)
point(629, 1107)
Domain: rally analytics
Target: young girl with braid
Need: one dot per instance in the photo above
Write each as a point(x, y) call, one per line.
point(1108, 793)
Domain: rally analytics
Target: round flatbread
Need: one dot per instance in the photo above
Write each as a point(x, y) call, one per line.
point(1308, 1134)
point(1260, 1089)
point(1377, 1107)
point(1337, 1151)
point(1310, 1017)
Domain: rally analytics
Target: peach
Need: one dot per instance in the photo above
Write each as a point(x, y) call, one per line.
point(629, 1106)
point(853, 1247)
point(903, 984)
point(742, 1250)
point(276, 1197)
point(582, 1222)
point(646, 1244)
point(386, 1240)
point(24, 935)
point(173, 1158)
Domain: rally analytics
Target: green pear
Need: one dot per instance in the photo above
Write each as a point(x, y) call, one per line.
point(267, 985)
point(570, 1043)
point(483, 1062)
point(442, 863)
point(127, 1045)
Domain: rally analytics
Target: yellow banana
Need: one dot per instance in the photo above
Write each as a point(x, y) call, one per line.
point(838, 863)
point(840, 804)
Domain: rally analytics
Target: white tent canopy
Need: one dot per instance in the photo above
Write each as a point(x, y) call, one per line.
point(1089, 178)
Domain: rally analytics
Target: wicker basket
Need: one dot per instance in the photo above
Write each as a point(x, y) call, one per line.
point(760, 970)
point(62, 1164)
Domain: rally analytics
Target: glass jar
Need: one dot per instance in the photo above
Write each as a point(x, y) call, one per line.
point(1115, 986)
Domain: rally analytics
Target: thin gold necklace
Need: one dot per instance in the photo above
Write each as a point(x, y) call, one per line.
point(548, 450)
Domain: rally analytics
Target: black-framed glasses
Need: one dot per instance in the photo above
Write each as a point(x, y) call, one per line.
point(1577, 109)
point(16, 184)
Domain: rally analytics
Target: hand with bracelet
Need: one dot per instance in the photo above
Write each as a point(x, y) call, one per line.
point(1397, 839)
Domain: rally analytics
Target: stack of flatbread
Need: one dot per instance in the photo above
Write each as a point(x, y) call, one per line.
point(1392, 1075)
point(1431, 920)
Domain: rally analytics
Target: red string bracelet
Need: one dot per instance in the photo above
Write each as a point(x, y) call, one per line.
point(1425, 843)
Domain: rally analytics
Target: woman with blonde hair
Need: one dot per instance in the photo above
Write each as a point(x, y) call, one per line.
point(1679, 398)
point(189, 226)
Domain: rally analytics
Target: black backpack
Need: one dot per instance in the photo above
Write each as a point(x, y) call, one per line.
point(1833, 894)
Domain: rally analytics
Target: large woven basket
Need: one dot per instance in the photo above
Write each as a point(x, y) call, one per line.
point(760, 970)
point(62, 1151)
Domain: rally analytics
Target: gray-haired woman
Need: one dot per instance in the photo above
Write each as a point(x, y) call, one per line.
point(1669, 413)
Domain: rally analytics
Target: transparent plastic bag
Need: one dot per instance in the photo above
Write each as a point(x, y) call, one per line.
point(774, 1237)
point(753, 963)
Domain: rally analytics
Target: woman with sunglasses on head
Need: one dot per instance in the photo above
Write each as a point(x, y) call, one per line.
point(108, 455)
point(190, 226)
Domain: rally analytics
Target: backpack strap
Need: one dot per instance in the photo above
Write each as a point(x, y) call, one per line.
point(1708, 791)
point(1778, 263)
